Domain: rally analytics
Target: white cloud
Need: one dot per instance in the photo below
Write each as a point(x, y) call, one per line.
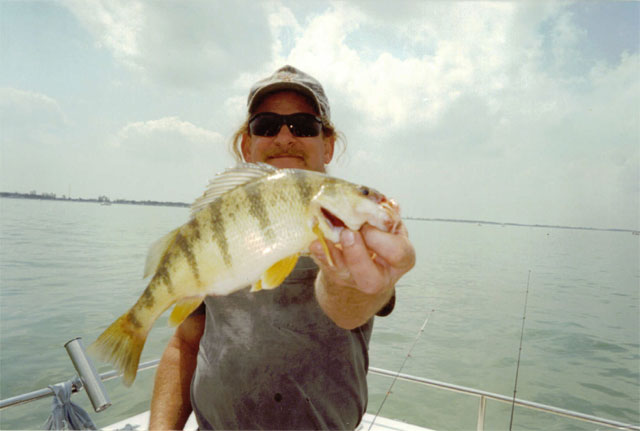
point(115, 24)
point(493, 105)
point(28, 117)
point(487, 109)
point(180, 44)
point(411, 78)
point(167, 139)
point(33, 139)
point(166, 158)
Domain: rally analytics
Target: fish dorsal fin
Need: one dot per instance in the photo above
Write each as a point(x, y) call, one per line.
point(229, 180)
point(156, 251)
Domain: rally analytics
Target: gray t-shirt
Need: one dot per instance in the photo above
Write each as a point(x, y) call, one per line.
point(273, 360)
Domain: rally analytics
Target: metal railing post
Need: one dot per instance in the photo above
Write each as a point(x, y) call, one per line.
point(88, 375)
point(481, 411)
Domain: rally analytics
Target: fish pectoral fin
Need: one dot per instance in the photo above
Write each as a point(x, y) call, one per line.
point(325, 247)
point(156, 251)
point(182, 310)
point(276, 274)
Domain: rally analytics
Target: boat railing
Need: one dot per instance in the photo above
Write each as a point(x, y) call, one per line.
point(484, 396)
point(89, 379)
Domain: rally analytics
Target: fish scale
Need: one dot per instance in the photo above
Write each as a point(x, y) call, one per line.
point(247, 229)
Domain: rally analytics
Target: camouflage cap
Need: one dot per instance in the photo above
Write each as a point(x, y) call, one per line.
point(290, 78)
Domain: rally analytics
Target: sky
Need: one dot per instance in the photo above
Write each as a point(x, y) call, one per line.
point(525, 112)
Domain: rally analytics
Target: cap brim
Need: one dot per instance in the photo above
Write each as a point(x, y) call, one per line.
point(281, 86)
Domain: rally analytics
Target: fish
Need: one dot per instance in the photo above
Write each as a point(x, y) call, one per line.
point(248, 228)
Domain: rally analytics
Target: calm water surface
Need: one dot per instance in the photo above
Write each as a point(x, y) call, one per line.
point(68, 269)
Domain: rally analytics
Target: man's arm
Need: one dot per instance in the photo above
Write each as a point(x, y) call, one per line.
point(171, 400)
point(366, 268)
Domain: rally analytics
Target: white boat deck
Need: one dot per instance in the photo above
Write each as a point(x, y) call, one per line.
point(141, 422)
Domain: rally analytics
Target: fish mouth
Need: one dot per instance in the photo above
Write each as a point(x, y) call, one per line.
point(333, 220)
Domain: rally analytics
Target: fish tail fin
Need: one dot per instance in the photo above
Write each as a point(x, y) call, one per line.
point(121, 345)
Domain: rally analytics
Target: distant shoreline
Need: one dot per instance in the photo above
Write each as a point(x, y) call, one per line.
point(548, 226)
point(106, 201)
point(101, 200)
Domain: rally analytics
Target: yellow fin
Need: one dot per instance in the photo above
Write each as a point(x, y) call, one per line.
point(121, 344)
point(257, 286)
point(274, 276)
point(156, 251)
point(182, 309)
point(320, 235)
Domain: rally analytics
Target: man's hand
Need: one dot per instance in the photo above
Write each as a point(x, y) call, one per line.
point(367, 265)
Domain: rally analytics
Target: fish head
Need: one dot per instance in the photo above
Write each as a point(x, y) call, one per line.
point(344, 204)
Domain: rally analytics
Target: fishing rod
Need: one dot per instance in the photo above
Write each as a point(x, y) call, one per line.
point(515, 385)
point(415, 341)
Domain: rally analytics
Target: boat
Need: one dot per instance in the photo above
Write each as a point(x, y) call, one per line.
point(141, 422)
point(90, 381)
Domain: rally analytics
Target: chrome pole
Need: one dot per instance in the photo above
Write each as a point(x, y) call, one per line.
point(481, 413)
point(88, 375)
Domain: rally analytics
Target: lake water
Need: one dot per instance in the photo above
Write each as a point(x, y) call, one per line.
point(68, 269)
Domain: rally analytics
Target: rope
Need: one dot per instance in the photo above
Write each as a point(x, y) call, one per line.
point(64, 413)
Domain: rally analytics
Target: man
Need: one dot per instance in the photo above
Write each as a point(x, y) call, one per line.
point(294, 357)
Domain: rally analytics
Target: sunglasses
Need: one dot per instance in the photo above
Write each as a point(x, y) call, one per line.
point(301, 125)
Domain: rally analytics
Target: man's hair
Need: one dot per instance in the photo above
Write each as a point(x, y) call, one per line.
point(328, 130)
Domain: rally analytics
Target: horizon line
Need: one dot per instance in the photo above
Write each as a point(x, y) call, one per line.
point(53, 196)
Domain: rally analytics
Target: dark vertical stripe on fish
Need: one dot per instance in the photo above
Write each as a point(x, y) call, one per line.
point(218, 230)
point(182, 242)
point(194, 227)
point(258, 209)
point(134, 320)
point(163, 275)
point(303, 186)
point(147, 299)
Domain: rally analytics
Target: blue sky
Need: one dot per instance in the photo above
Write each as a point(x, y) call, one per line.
point(509, 111)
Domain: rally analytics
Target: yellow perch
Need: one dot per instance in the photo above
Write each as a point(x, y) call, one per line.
point(247, 229)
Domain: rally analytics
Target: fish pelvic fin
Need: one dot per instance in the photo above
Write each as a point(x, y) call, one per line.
point(257, 286)
point(121, 345)
point(323, 242)
point(183, 309)
point(277, 273)
point(156, 251)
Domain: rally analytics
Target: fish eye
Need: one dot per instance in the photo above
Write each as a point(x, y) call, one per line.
point(364, 191)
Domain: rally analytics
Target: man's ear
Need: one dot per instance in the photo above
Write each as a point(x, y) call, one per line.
point(329, 144)
point(245, 147)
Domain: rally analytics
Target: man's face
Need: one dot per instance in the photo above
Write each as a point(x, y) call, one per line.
point(285, 150)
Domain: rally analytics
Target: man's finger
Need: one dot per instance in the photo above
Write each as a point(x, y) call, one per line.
point(396, 249)
point(318, 254)
point(364, 271)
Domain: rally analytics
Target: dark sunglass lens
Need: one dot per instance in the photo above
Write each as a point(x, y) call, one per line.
point(265, 125)
point(304, 125)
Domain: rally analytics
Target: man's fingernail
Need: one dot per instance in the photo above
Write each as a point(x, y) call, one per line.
point(347, 237)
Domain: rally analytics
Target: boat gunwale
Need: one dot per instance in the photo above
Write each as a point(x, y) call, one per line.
point(483, 395)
